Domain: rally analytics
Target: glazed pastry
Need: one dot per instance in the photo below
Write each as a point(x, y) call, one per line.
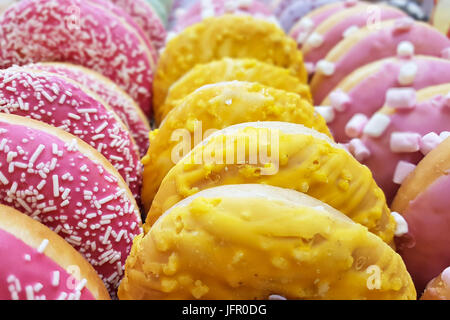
point(364, 91)
point(370, 44)
point(439, 287)
point(231, 36)
point(122, 104)
point(256, 242)
point(119, 53)
point(37, 264)
point(63, 103)
point(424, 203)
point(397, 137)
point(214, 107)
point(300, 158)
point(228, 69)
point(67, 185)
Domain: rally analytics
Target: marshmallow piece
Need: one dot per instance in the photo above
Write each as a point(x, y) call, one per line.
point(276, 297)
point(401, 98)
point(446, 53)
point(339, 100)
point(403, 24)
point(407, 73)
point(405, 142)
point(315, 40)
point(325, 67)
point(402, 170)
point(310, 67)
point(355, 126)
point(349, 31)
point(302, 37)
point(405, 49)
point(445, 276)
point(429, 142)
point(444, 135)
point(307, 24)
point(326, 112)
point(377, 125)
point(402, 226)
point(358, 149)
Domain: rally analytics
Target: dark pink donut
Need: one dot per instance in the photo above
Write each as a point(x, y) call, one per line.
point(80, 32)
point(60, 102)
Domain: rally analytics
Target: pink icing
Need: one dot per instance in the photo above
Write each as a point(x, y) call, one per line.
point(79, 32)
point(378, 45)
point(426, 117)
point(53, 182)
point(334, 35)
point(121, 103)
point(426, 253)
point(24, 268)
point(52, 99)
point(369, 95)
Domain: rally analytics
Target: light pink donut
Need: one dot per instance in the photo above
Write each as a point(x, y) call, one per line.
point(363, 92)
point(68, 186)
point(212, 8)
point(367, 45)
point(80, 32)
point(397, 138)
point(65, 104)
point(122, 104)
point(339, 25)
point(145, 16)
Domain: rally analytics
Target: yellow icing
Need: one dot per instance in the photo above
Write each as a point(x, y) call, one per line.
point(216, 107)
point(251, 248)
point(228, 69)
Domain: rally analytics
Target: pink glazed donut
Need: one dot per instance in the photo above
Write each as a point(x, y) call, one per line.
point(67, 185)
point(423, 201)
point(212, 8)
point(37, 264)
point(80, 32)
point(122, 104)
point(370, 44)
point(398, 136)
point(65, 104)
point(364, 91)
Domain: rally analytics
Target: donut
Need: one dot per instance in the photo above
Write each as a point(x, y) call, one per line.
point(146, 17)
point(228, 69)
point(368, 44)
point(364, 91)
point(214, 107)
point(122, 104)
point(439, 287)
point(212, 8)
point(388, 145)
point(65, 104)
point(423, 202)
point(61, 181)
point(37, 264)
point(340, 25)
point(231, 36)
point(259, 242)
point(80, 32)
point(301, 158)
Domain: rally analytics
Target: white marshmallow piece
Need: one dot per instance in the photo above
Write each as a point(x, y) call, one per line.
point(310, 67)
point(307, 24)
point(326, 112)
point(407, 74)
point(429, 142)
point(355, 126)
point(315, 40)
point(358, 149)
point(402, 170)
point(402, 225)
point(349, 31)
point(444, 135)
point(401, 98)
point(326, 68)
point(405, 142)
point(445, 277)
point(377, 125)
point(405, 49)
point(340, 100)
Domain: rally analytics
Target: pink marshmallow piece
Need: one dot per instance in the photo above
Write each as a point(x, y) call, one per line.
point(429, 142)
point(339, 100)
point(402, 170)
point(355, 126)
point(403, 24)
point(358, 149)
point(405, 142)
point(401, 98)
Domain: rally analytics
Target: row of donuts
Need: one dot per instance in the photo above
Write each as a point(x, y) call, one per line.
point(71, 142)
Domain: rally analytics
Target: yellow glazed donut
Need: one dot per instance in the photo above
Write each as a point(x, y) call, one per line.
point(285, 155)
point(231, 36)
point(228, 69)
point(217, 106)
point(261, 242)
